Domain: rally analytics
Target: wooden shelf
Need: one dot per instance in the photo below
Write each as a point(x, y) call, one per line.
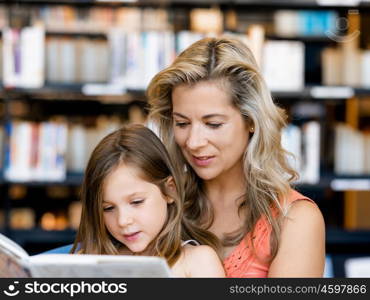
point(299, 4)
point(259, 4)
point(72, 179)
point(41, 236)
point(74, 91)
point(335, 182)
point(71, 91)
point(334, 236)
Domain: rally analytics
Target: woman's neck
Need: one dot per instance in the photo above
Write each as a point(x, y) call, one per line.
point(226, 188)
point(225, 194)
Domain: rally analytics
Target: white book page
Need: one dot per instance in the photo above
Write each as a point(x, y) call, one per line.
point(107, 266)
point(13, 259)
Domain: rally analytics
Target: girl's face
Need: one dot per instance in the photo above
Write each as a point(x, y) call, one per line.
point(210, 131)
point(134, 210)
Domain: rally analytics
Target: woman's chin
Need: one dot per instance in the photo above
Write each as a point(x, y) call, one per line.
point(206, 174)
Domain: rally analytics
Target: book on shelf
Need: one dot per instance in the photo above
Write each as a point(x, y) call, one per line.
point(304, 145)
point(296, 23)
point(46, 151)
point(351, 151)
point(77, 148)
point(36, 151)
point(1, 60)
point(350, 63)
point(22, 218)
point(311, 140)
point(356, 210)
point(15, 262)
point(331, 66)
point(346, 65)
point(152, 49)
point(207, 21)
point(54, 221)
point(2, 218)
point(283, 65)
point(71, 60)
point(23, 61)
point(291, 140)
point(185, 38)
point(365, 69)
point(256, 41)
point(3, 16)
point(82, 141)
point(25, 218)
point(1, 146)
point(137, 56)
point(117, 49)
point(357, 267)
point(68, 50)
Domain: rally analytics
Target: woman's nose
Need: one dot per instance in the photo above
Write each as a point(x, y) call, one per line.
point(196, 138)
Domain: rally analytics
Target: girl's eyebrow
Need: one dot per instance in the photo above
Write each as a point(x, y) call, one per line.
point(132, 195)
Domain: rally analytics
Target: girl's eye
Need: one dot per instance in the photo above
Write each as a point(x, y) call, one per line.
point(181, 124)
point(137, 201)
point(108, 208)
point(214, 125)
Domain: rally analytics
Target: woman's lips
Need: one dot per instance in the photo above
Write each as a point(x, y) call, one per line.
point(202, 161)
point(131, 237)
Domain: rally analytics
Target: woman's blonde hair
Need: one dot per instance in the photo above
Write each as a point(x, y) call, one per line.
point(231, 64)
point(139, 147)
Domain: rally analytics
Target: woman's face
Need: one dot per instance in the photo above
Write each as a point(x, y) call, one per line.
point(210, 131)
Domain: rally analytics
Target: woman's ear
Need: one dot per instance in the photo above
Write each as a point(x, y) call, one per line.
point(249, 124)
point(171, 189)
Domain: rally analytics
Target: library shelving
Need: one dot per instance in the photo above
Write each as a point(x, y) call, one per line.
point(72, 94)
point(75, 90)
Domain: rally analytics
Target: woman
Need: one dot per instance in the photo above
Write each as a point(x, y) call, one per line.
point(217, 118)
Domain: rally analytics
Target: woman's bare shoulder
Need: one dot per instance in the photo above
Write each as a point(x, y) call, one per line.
point(301, 250)
point(303, 209)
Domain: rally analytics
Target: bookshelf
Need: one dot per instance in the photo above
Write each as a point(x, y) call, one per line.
point(80, 100)
point(75, 91)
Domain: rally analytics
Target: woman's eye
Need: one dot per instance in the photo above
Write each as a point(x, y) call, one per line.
point(181, 124)
point(214, 125)
point(137, 202)
point(108, 208)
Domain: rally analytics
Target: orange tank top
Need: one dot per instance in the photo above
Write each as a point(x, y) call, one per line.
point(242, 261)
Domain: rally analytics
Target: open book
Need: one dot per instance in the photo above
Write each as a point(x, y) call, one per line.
point(15, 262)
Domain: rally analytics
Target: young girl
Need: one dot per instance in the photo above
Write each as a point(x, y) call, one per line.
point(132, 205)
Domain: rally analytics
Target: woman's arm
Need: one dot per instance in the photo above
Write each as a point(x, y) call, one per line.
point(202, 261)
point(301, 250)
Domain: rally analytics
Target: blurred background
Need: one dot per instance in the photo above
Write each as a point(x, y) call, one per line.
point(73, 71)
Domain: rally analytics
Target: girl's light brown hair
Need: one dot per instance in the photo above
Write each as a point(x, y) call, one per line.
point(230, 64)
point(137, 146)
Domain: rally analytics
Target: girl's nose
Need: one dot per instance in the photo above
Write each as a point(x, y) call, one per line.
point(125, 219)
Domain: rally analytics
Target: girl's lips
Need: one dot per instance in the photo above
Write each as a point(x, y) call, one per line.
point(131, 237)
point(202, 161)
